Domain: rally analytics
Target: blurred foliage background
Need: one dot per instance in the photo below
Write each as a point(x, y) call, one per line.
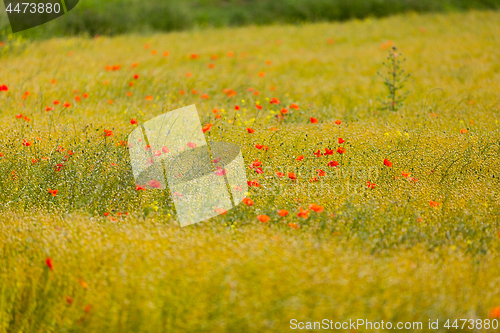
point(111, 17)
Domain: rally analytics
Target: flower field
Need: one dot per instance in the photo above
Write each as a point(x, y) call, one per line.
point(353, 211)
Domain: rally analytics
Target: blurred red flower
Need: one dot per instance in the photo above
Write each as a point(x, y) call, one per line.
point(263, 218)
point(154, 183)
point(207, 128)
point(316, 208)
point(49, 263)
point(282, 212)
point(247, 201)
point(303, 213)
point(333, 164)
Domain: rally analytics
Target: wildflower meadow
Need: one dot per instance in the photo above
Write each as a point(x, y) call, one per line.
point(373, 194)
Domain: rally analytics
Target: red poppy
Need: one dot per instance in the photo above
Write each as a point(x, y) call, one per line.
point(157, 153)
point(220, 172)
point(136, 76)
point(154, 183)
point(56, 102)
point(49, 263)
point(47, 108)
point(205, 96)
point(293, 225)
point(108, 132)
point(149, 98)
point(328, 151)
point(463, 131)
point(165, 149)
point(292, 176)
point(247, 201)
point(300, 158)
point(282, 212)
point(191, 145)
point(387, 163)
point(370, 185)
point(280, 174)
point(316, 208)
point(434, 203)
point(341, 141)
point(318, 153)
point(333, 164)
point(314, 120)
point(194, 91)
point(230, 92)
point(321, 173)
point(284, 111)
point(303, 213)
point(255, 164)
point(259, 171)
point(338, 122)
point(67, 105)
point(78, 99)
point(194, 56)
point(211, 66)
point(274, 101)
point(341, 150)
point(85, 95)
point(263, 218)
point(495, 312)
point(26, 143)
point(259, 146)
point(139, 188)
point(133, 121)
point(53, 192)
point(236, 107)
point(3, 87)
point(207, 128)
point(250, 130)
point(253, 183)
point(19, 116)
point(294, 106)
